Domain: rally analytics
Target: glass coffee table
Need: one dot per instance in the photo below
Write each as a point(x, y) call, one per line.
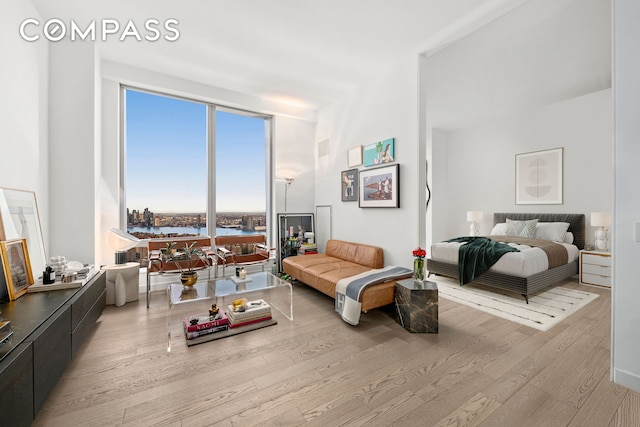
point(197, 299)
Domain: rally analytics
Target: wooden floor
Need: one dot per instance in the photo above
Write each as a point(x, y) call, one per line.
point(318, 370)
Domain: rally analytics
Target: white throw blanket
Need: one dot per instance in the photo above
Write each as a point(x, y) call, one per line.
point(349, 290)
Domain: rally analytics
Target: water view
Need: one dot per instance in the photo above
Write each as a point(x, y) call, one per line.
point(183, 231)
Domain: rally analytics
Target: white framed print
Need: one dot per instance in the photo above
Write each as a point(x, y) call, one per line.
point(354, 156)
point(539, 178)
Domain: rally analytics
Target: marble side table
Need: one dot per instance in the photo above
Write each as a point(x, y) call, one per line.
point(417, 305)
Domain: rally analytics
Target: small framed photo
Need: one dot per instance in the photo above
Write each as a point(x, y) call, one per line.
point(380, 187)
point(349, 185)
point(16, 267)
point(354, 156)
point(379, 153)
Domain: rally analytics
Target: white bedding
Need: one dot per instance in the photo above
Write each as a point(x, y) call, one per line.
point(522, 264)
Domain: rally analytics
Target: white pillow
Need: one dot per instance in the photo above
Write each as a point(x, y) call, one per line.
point(499, 229)
point(554, 231)
point(522, 228)
point(568, 238)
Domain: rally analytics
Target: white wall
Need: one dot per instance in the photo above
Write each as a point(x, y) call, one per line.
point(625, 363)
point(294, 151)
point(478, 170)
point(24, 78)
point(384, 108)
point(72, 150)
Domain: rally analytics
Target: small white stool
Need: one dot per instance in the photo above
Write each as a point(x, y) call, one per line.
point(122, 283)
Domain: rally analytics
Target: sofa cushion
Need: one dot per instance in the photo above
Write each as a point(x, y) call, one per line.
point(367, 255)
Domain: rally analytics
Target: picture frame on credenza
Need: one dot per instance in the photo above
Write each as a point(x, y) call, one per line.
point(19, 218)
point(16, 268)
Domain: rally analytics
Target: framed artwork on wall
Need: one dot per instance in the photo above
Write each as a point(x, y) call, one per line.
point(354, 156)
point(539, 178)
point(19, 218)
point(16, 267)
point(380, 187)
point(349, 185)
point(379, 152)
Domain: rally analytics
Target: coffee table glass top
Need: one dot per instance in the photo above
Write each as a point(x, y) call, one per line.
point(215, 288)
point(199, 297)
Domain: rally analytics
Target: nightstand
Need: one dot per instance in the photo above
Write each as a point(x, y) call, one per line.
point(595, 268)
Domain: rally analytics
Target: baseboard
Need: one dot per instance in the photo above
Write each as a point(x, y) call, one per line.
point(627, 379)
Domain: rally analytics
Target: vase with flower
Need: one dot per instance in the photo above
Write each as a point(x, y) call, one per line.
point(418, 264)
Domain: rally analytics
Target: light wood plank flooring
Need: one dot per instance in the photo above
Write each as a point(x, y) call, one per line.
point(319, 371)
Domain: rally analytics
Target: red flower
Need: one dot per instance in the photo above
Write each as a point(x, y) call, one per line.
point(419, 253)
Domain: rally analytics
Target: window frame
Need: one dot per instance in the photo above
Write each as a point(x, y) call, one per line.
point(211, 108)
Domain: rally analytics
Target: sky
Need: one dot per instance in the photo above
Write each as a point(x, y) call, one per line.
point(166, 157)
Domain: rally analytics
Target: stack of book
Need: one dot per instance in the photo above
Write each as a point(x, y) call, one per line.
point(205, 324)
point(251, 312)
point(307, 249)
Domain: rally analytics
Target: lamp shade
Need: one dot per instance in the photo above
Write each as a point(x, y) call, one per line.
point(600, 219)
point(119, 241)
point(474, 216)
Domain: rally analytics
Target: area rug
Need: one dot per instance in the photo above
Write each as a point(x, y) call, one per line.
point(545, 309)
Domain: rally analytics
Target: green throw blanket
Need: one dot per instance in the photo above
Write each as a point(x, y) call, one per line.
point(477, 255)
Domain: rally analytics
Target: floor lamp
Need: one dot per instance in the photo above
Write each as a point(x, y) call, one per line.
point(288, 182)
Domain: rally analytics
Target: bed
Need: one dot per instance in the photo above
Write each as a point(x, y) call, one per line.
point(529, 279)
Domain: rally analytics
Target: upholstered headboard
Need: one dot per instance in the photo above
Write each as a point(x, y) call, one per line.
point(576, 222)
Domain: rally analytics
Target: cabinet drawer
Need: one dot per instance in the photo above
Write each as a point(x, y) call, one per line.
point(596, 259)
point(601, 270)
point(594, 279)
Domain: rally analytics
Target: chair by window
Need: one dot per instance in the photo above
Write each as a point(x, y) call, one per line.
point(242, 250)
point(164, 257)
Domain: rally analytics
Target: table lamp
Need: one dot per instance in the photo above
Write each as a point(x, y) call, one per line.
point(121, 242)
point(602, 220)
point(474, 217)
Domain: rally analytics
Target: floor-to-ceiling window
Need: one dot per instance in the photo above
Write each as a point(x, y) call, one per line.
point(193, 168)
point(240, 172)
point(166, 165)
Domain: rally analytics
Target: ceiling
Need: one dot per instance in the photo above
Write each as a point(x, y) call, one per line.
point(303, 52)
point(306, 53)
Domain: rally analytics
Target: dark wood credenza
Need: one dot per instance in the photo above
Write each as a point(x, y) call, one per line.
point(48, 329)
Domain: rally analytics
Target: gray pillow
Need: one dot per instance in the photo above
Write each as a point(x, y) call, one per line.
point(522, 228)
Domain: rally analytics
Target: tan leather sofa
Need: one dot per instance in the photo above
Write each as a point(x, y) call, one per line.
point(342, 259)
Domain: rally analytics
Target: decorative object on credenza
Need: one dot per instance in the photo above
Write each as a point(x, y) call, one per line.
point(354, 156)
point(418, 264)
point(602, 220)
point(16, 267)
point(380, 187)
point(19, 218)
point(349, 185)
point(379, 153)
point(474, 217)
point(539, 177)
